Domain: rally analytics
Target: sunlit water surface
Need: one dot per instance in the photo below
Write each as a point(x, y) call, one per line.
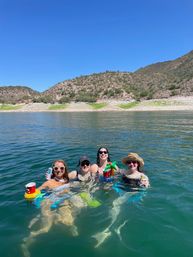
point(158, 224)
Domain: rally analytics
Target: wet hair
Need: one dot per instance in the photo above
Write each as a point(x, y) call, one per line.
point(65, 175)
point(98, 158)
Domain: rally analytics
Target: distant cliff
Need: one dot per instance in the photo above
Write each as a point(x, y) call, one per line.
point(159, 80)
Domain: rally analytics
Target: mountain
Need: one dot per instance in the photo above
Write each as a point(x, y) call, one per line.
point(170, 78)
point(159, 80)
point(92, 87)
point(17, 94)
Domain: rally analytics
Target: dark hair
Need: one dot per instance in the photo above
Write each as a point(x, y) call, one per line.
point(98, 158)
point(138, 167)
point(65, 175)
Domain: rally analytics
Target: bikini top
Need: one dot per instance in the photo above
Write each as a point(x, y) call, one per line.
point(84, 178)
point(101, 169)
point(134, 182)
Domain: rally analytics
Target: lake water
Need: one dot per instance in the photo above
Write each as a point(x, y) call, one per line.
point(160, 223)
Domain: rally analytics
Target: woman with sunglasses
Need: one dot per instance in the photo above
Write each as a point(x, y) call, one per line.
point(58, 184)
point(59, 176)
point(103, 159)
point(84, 172)
point(133, 176)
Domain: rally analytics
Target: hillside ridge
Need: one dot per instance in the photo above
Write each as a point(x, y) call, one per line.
point(159, 80)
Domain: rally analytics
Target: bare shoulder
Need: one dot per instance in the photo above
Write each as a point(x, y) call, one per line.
point(72, 174)
point(94, 168)
point(143, 175)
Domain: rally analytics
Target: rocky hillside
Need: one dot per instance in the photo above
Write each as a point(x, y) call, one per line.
point(160, 80)
point(17, 94)
point(170, 78)
point(107, 85)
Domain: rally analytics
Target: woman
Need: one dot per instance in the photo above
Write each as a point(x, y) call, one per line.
point(58, 183)
point(84, 172)
point(133, 176)
point(103, 159)
point(59, 176)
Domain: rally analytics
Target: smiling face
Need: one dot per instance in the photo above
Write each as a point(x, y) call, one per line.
point(85, 166)
point(132, 165)
point(103, 154)
point(59, 169)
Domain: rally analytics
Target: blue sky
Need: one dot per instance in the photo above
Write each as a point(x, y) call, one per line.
point(44, 42)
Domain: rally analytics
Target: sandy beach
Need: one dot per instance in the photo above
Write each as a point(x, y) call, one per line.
point(172, 104)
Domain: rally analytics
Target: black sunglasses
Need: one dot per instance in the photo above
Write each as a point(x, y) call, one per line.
point(101, 152)
point(129, 162)
point(87, 163)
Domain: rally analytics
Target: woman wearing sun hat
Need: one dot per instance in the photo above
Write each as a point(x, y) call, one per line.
point(133, 175)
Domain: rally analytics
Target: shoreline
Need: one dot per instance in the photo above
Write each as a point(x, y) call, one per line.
point(170, 104)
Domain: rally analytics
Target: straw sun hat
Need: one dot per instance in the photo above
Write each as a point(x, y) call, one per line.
point(133, 157)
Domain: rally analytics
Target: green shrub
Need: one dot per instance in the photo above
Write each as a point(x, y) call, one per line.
point(43, 99)
point(118, 91)
point(110, 92)
point(85, 97)
point(64, 99)
point(143, 94)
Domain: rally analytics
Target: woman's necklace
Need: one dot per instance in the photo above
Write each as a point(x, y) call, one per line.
point(59, 180)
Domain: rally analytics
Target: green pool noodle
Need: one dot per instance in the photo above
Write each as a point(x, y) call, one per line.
point(89, 200)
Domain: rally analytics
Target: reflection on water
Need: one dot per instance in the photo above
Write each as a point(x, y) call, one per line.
point(148, 227)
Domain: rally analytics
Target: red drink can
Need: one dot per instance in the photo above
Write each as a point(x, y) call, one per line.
point(30, 188)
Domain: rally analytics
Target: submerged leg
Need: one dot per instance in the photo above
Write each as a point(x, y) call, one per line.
point(118, 230)
point(66, 216)
point(34, 221)
point(46, 219)
point(102, 236)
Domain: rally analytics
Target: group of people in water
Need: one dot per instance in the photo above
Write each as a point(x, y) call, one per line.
point(61, 183)
point(132, 175)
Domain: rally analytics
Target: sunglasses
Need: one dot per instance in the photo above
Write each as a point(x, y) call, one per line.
point(87, 163)
point(58, 168)
point(101, 152)
point(129, 162)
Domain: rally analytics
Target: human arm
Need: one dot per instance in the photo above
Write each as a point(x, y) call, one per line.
point(120, 171)
point(45, 185)
point(72, 174)
point(94, 168)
